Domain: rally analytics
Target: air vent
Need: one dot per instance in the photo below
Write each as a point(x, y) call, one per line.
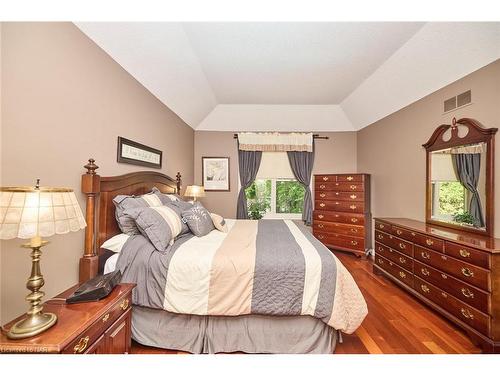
point(450, 104)
point(458, 101)
point(464, 98)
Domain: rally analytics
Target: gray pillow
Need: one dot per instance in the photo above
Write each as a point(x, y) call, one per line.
point(198, 220)
point(161, 225)
point(166, 197)
point(128, 202)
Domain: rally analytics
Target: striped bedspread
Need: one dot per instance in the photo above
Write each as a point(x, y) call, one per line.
point(269, 267)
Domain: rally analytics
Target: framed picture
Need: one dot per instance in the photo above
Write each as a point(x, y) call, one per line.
point(215, 173)
point(131, 152)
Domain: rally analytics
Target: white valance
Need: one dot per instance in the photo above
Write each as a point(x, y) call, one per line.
point(478, 148)
point(275, 142)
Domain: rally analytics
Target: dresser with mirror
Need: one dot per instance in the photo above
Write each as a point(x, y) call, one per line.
point(451, 262)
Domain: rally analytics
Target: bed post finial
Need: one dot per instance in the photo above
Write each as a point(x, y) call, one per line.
point(91, 166)
point(91, 187)
point(178, 179)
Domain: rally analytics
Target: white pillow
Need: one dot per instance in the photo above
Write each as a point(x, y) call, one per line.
point(116, 243)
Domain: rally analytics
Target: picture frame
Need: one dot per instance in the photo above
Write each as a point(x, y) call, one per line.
point(215, 173)
point(131, 152)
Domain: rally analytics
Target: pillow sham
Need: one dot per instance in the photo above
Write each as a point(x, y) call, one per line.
point(115, 243)
point(198, 220)
point(163, 196)
point(161, 225)
point(219, 222)
point(124, 203)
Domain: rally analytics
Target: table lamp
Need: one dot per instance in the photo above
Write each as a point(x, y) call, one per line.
point(32, 213)
point(195, 191)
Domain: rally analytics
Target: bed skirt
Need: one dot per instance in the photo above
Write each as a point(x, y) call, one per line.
point(227, 334)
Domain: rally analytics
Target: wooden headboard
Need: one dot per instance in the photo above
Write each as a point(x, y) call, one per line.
point(100, 210)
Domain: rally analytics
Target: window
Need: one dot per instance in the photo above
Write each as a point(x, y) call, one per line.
point(275, 192)
point(450, 197)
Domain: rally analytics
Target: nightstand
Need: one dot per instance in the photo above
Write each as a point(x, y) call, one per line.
point(101, 327)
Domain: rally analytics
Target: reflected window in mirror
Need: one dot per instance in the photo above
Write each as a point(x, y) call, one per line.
point(458, 185)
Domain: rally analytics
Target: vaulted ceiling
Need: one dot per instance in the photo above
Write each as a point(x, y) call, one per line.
point(294, 76)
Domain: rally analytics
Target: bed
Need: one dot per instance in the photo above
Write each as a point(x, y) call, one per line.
point(263, 287)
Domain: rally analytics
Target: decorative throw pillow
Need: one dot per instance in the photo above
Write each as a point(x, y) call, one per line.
point(198, 220)
point(219, 223)
point(115, 243)
point(127, 202)
point(161, 225)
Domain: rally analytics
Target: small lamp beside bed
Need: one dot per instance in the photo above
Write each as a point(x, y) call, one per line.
point(195, 191)
point(32, 213)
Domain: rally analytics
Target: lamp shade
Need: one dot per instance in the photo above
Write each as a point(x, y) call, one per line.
point(195, 191)
point(27, 212)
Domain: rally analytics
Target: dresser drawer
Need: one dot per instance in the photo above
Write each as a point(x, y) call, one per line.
point(457, 308)
point(428, 241)
point(467, 254)
point(350, 178)
point(348, 229)
point(403, 233)
point(464, 271)
point(340, 196)
point(383, 226)
point(340, 240)
point(395, 256)
point(338, 186)
point(339, 217)
point(401, 245)
point(343, 206)
point(396, 271)
point(91, 334)
point(383, 238)
point(467, 293)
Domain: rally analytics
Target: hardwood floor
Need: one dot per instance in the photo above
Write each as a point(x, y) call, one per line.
point(396, 322)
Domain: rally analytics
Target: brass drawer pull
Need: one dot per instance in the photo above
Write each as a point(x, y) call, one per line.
point(352, 207)
point(425, 288)
point(402, 274)
point(105, 318)
point(320, 216)
point(82, 345)
point(467, 272)
point(336, 215)
point(402, 260)
point(380, 237)
point(429, 242)
point(464, 253)
point(354, 230)
point(380, 261)
point(380, 248)
point(402, 246)
point(425, 255)
point(354, 196)
point(337, 193)
point(381, 226)
point(467, 293)
point(353, 187)
point(413, 234)
point(322, 195)
point(337, 202)
point(444, 276)
point(325, 178)
point(354, 220)
point(425, 271)
point(466, 313)
point(337, 184)
point(320, 236)
point(398, 232)
point(444, 294)
point(350, 178)
point(322, 186)
point(320, 225)
point(124, 304)
point(354, 243)
point(322, 205)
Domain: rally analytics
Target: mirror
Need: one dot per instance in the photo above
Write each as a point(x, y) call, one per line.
point(458, 185)
point(460, 175)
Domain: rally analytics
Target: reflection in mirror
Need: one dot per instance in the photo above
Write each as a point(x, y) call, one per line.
point(458, 179)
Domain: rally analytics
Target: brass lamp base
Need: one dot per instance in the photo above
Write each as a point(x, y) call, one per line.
point(37, 321)
point(32, 325)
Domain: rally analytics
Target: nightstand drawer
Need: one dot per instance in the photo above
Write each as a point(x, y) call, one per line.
point(87, 339)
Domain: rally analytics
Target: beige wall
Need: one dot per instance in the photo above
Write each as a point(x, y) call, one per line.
point(65, 100)
point(391, 149)
point(335, 155)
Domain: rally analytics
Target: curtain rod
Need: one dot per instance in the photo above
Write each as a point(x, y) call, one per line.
point(315, 136)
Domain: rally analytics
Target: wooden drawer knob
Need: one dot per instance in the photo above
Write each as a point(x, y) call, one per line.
point(81, 345)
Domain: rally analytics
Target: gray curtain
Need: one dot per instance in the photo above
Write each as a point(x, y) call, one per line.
point(301, 163)
point(249, 162)
point(467, 168)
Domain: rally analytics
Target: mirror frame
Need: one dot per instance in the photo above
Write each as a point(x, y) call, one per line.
point(476, 133)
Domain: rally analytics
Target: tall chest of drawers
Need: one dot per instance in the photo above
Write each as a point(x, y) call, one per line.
point(342, 218)
point(453, 272)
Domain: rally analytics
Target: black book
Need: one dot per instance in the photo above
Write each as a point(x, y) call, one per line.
point(96, 288)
